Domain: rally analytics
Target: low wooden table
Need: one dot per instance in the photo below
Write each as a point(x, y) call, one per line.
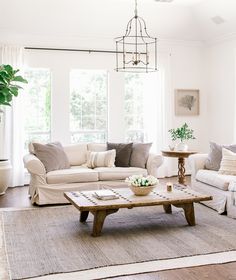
point(180, 197)
point(181, 162)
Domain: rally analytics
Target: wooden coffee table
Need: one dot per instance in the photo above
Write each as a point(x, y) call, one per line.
point(181, 197)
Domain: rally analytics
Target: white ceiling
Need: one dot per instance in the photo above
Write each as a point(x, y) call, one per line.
point(106, 19)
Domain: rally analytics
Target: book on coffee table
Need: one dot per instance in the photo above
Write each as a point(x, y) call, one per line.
point(105, 195)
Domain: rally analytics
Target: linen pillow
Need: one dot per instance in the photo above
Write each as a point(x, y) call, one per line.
point(228, 163)
point(139, 155)
point(101, 159)
point(52, 156)
point(215, 155)
point(123, 153)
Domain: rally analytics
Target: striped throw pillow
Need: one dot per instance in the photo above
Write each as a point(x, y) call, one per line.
point(101, 159)
point(228, 162)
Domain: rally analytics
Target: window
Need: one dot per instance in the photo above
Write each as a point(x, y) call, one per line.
point(88, 105)
point(134, 107)
point(37, 105)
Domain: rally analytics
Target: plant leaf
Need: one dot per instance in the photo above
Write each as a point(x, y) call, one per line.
point(19, 79)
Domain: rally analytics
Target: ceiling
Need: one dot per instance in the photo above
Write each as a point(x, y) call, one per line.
point(50, 21)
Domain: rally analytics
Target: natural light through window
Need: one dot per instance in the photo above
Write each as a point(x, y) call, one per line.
point(37, 101)
point(88, 105)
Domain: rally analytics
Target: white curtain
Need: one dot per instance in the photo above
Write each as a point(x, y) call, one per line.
point(159, 110)
point(14, 120)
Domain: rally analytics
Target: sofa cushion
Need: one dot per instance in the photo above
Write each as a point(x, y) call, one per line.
point(139, 155)
point(52, 156)
point(101, 159)
point(215, 155)
point(118, 173)
point(76, 153)
point(213, 178)
point(97, 147)
point(228, 163)
point(123, 153)
point(72, 175)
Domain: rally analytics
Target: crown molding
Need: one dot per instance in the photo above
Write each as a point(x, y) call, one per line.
point(221, 39)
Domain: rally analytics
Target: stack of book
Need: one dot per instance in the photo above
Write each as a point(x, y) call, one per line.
point(105, 195)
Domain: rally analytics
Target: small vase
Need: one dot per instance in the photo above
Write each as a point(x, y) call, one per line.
point(182, 147)
point(141, 191)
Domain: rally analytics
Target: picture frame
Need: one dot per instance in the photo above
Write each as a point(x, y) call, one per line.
point(187, 102)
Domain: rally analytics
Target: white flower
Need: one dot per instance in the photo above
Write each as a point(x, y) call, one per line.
point(140, 181)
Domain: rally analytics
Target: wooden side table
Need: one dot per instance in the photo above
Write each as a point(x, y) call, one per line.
point(181, 155)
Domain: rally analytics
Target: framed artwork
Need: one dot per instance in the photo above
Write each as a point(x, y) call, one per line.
point(186, 102)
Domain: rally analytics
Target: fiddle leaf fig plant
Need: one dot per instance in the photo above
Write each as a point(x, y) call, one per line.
point(9, 84)
point(183, 133)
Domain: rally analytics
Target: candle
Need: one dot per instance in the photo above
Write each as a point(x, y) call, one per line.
point(169, 186)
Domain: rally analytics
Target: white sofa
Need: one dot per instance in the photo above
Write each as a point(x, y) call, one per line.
point(48, 188)
point(212, 183)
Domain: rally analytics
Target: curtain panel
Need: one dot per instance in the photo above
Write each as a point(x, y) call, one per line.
point(12, 146)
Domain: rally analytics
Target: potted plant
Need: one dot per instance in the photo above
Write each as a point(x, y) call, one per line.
point(9, 87)
point(183, 133)
point(141, 185)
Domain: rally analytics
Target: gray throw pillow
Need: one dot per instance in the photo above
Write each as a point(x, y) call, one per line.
point(52, 156)
point(139, 155)
point(215, 155)
point(123, 153)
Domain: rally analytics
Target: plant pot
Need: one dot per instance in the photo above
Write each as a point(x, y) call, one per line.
point(141, 191)
point(5, 175)
point(182, 147)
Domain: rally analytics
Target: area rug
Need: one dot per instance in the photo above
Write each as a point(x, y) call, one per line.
point(46, 241)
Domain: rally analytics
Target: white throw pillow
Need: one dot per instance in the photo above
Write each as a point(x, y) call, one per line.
point(228, 163)
point(101, 159)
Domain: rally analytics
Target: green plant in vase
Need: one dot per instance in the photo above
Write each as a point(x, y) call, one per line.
point(182, 133)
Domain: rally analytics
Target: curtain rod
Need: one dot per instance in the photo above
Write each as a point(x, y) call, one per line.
point(68, 50)
point(73, 50)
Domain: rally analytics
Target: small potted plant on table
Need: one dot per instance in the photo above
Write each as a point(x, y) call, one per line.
point(141, 185)
point(183, 133)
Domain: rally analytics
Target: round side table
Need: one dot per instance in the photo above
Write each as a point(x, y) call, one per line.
point(181, 162)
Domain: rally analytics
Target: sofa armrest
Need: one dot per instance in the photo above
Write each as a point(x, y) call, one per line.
point(197, 162)
point(153, 162)
point(34, 165)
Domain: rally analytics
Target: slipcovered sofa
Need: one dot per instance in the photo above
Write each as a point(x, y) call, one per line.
point(48, 187)
point(210, 182)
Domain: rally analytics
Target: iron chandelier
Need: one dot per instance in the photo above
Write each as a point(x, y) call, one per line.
point(136, 51)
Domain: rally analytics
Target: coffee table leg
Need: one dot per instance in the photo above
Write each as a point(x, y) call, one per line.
point(99, 218)
point(83, 216)
point(167, 208)
point(188, 212)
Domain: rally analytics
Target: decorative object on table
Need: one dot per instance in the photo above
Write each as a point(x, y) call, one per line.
point(169, 187)
point(141, 185)
point(181, 167)
point(105, 195)
point(186, 102)
point(136, 51)
point(183, 133)
point(8, 89)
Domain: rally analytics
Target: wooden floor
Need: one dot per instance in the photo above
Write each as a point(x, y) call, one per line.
point(18, 197)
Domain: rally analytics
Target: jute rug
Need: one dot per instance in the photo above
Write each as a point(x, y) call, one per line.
point(52, 240)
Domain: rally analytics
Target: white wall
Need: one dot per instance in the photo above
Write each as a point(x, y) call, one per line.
point(220, 63)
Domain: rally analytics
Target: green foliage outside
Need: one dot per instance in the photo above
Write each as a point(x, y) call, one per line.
point(38, 106)
point(182, 133)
